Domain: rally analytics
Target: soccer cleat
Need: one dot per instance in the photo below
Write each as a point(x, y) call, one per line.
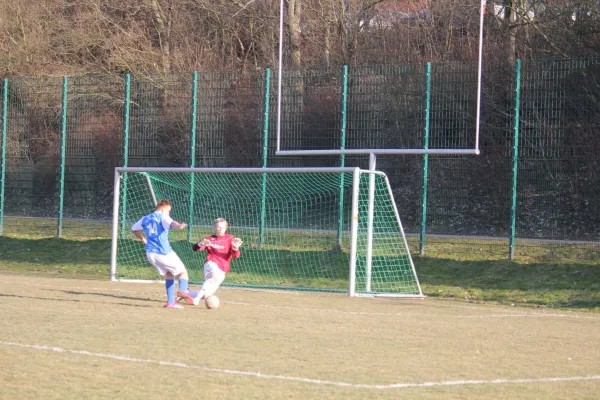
point(173, 305)
point(181, 295)
point(196, 300)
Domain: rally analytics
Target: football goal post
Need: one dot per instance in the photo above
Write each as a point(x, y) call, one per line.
point(316, 229)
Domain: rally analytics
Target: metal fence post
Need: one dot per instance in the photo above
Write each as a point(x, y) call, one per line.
point(422, 236)
point(343, 125)
point(265, 151)
point(4, 135)
point(126, 112)
point(63, 145)
point(515, 166)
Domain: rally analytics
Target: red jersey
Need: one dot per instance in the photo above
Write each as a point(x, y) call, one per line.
point(221, 252)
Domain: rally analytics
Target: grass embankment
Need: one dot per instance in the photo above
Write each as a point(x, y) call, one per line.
point(573, 285)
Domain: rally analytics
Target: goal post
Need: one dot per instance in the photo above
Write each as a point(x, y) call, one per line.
point(314, 229)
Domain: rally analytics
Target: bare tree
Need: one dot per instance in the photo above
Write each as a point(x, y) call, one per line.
point(49, 37)
point(294, 16)
point(163, 18)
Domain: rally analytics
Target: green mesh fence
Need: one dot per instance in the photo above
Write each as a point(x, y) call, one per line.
point(32, 154)
point(229, 119)
point(64, 136)
point(385, 107)
point(310, 115)
point(559, 159)
point(160, 119)
point(94, 145)
point(296, 228)
point(468, 202)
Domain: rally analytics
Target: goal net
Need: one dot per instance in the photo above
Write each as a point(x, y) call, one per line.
point(318, 229)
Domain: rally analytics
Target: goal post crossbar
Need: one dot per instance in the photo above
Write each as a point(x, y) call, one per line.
point(377, 151)
point(237, 170)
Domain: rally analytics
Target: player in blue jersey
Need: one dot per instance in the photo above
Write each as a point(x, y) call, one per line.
point(153, 231)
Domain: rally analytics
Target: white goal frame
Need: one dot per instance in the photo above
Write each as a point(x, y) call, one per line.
point(475, 150)
point(356, 172)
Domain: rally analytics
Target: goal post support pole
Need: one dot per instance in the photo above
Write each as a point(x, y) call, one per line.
point(371, 212)
point(115, 225)
point(397, 214)
point(354, 232)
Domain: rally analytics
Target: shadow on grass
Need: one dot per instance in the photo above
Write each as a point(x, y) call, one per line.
point(571, 285)
point(54, 251)
point(80, 293)
point(78, 301)
point(500, 274)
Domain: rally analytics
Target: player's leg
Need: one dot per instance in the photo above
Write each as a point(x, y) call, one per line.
point(174, 265)
point(216, 277)
point(213, 277)
point(183, 276)
point(168, 268)
point(170, 286)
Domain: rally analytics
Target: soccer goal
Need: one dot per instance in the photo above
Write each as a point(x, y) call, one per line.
point(315, 229)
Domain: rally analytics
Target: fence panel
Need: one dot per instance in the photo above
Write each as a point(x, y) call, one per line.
point(559, 159)
point(32, 162)
point(94, 146)
point(222, 116)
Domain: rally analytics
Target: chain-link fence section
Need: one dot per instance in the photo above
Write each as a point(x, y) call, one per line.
point(532, 191)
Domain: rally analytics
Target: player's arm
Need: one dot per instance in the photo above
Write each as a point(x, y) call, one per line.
point(170, 223)
point(140, 235)
point(177, 225)
point(201, 245)
point(236, 243)
point(138, 231)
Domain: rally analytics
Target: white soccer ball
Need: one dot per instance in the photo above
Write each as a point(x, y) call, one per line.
point(212, 302)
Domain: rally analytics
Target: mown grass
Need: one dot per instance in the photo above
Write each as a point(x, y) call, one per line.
point(543, 284)
point(523, 282)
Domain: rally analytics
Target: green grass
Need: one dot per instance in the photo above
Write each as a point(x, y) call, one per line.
point(543, 284)
point(524, 282)
point(51, 256)
point(91, 339)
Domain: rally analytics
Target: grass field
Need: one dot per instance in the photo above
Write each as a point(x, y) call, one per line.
point(81, 338)
point(525, 282)
point(488, 329)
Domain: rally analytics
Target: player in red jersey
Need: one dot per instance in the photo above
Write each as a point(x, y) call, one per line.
point(221, 248)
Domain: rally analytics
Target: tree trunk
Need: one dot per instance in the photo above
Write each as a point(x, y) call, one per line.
point(294, 13)
point(512, 30)
point(163, 29)
point(327, 43)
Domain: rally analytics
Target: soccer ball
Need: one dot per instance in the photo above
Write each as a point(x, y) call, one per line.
point(212, 302)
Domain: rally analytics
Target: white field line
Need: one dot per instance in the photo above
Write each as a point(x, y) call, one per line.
point(300, 379)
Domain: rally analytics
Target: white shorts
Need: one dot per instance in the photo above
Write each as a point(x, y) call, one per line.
point(212, 270)
point(166, 263)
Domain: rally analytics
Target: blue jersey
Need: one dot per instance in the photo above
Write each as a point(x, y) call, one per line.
point(156, 227)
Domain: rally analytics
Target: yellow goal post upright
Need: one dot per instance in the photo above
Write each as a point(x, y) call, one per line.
point(331, 229)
